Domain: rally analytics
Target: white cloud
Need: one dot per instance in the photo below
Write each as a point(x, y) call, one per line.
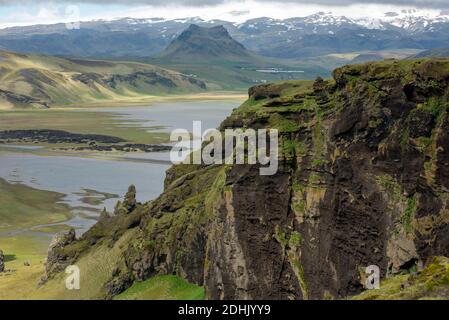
point(47, 13)
point(253, 9)
point(226, 10)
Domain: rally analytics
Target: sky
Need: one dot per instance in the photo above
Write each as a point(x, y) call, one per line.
point(27, 12)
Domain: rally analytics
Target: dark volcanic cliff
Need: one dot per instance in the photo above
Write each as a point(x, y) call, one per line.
point(363, 180)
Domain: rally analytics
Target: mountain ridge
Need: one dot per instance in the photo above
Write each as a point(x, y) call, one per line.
point(301, 37)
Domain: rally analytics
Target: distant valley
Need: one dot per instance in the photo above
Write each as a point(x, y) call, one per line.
point(200, 60)
point(234, 56)
point(193, 55)
point(213, 55)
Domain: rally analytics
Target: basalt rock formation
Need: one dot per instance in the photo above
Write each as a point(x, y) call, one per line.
point(56, 136)
point(2, 261)
point(363, 180)
point(56, 260)
point(129, 203)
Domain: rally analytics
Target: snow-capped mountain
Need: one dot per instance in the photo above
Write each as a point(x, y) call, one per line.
point(411, 20)
point(317, 34)
point(415, 21)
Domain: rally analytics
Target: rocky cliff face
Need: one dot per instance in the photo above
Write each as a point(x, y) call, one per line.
point(363, 180)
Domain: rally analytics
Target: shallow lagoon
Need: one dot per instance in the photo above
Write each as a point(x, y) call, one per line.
point(104, 181)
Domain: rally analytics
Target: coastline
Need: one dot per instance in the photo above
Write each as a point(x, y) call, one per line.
point(143, 100)
point(26, 247)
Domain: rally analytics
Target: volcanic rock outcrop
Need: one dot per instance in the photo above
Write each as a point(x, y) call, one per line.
point(2, 261)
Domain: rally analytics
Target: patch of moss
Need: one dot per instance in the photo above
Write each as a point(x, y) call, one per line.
point(293, 148)
point(431, 283)
point(318, 162)
point(299, 272)
point(149, 244)
point(299, 206)
point(284, 125)
point(280, 237)
point(435, 106)
point(405, 139)
point(290, 249)
point(390, 184)
point(314, 178)
point(216, 189)
point(295, 239)
point(407, 217)
point(296, 186)
point(288, 149)
point(424, 142)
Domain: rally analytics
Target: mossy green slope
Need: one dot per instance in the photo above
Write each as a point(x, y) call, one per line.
point(42, 81)
point(431, 283)
point(163, 287)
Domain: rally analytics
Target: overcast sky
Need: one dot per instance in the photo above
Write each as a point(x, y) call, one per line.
point(44, 11)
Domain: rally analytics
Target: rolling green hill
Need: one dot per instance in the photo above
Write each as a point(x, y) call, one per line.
point(44, 81)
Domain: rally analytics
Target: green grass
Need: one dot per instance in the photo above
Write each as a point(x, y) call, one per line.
point(287, 90)
point(430, 283)
point(407, 216)
point(22, 206)
point(390, 184)
point(295, 239)
point(21, 279)
point(163, 287)
point(221, 74)
point(96, 268)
